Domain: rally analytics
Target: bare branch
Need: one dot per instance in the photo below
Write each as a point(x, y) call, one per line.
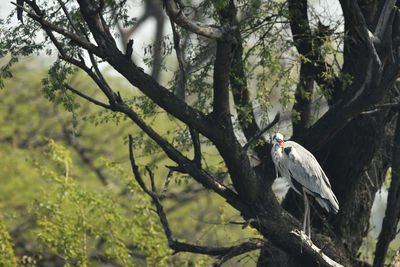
point(238, 250)
point(314, 251)
point(167, 181)
point(379, 107)
point(172, 243)
point(64, 8)
point(197, 146)
point(217, 251)
point(222, 65)
point(99, 79)
point(182, 78)
point(88, 98)
point(129, 48)
point(135, 170)
point(384, 19)
point(185, 164)
point(258, 134)
point(177, 15)
point(151, 175)
point(392, 213)
point(241, 95)
point(104, 86)
point(363, 31)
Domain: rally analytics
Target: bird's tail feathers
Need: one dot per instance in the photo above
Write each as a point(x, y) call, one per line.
point(330, 205)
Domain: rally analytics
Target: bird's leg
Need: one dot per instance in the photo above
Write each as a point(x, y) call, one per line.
point(308, 219)
point(276, 171)
point(305, 212)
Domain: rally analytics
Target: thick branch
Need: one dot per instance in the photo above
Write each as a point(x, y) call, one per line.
point(392, 214)
point(362, 93)
point(316, 252)
point(222, 66)
point(308, 45)
point(64, 8)
point(196, 146)
point(185, 164)
point(182, 77)
point(301, 113)
point(241, 97)
point(221, 251)
point(238, 250)
point(159, 94)
point(384, 19)
point(177, 15)
point(300, 26)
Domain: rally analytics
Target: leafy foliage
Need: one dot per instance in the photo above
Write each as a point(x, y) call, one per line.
point(72, 223)
point(7, 257)
point(54, 85)
point(70, 217)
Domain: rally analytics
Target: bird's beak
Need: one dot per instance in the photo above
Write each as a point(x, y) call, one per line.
point(281, 143)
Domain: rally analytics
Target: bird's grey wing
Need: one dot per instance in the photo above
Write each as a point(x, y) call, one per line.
point(305, 169)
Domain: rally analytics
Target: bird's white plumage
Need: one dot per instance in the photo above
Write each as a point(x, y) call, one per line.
point(299, 164)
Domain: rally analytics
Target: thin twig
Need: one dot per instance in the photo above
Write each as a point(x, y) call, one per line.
point(377, 108)
point(196, 146)
point(245, 247)
point(64, 8)
point(167, 181)
point(151, 175)
point(259, 133)
point(182, 78)
point(98, 79)
point(48, 25)
point(135, 169)
point(88, 98)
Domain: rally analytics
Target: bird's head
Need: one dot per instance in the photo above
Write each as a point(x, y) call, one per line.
point(278, 139)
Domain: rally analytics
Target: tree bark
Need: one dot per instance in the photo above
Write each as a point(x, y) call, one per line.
point(392, 214)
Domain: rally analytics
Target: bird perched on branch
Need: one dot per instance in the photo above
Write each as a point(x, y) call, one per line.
point(304, 174)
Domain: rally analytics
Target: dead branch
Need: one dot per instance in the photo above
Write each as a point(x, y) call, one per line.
point(313, 250)
point(259, 133)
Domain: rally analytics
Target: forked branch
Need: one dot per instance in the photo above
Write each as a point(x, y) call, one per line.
point(225, 252)
point(72, 36)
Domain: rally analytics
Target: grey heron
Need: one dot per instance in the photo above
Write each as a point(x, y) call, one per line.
point(304, 175)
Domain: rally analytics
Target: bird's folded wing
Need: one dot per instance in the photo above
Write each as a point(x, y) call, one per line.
point(306, 170)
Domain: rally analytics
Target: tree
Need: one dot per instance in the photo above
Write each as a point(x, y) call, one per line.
point(227, 47)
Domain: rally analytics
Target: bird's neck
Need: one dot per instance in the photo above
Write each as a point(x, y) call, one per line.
point(277, 152)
